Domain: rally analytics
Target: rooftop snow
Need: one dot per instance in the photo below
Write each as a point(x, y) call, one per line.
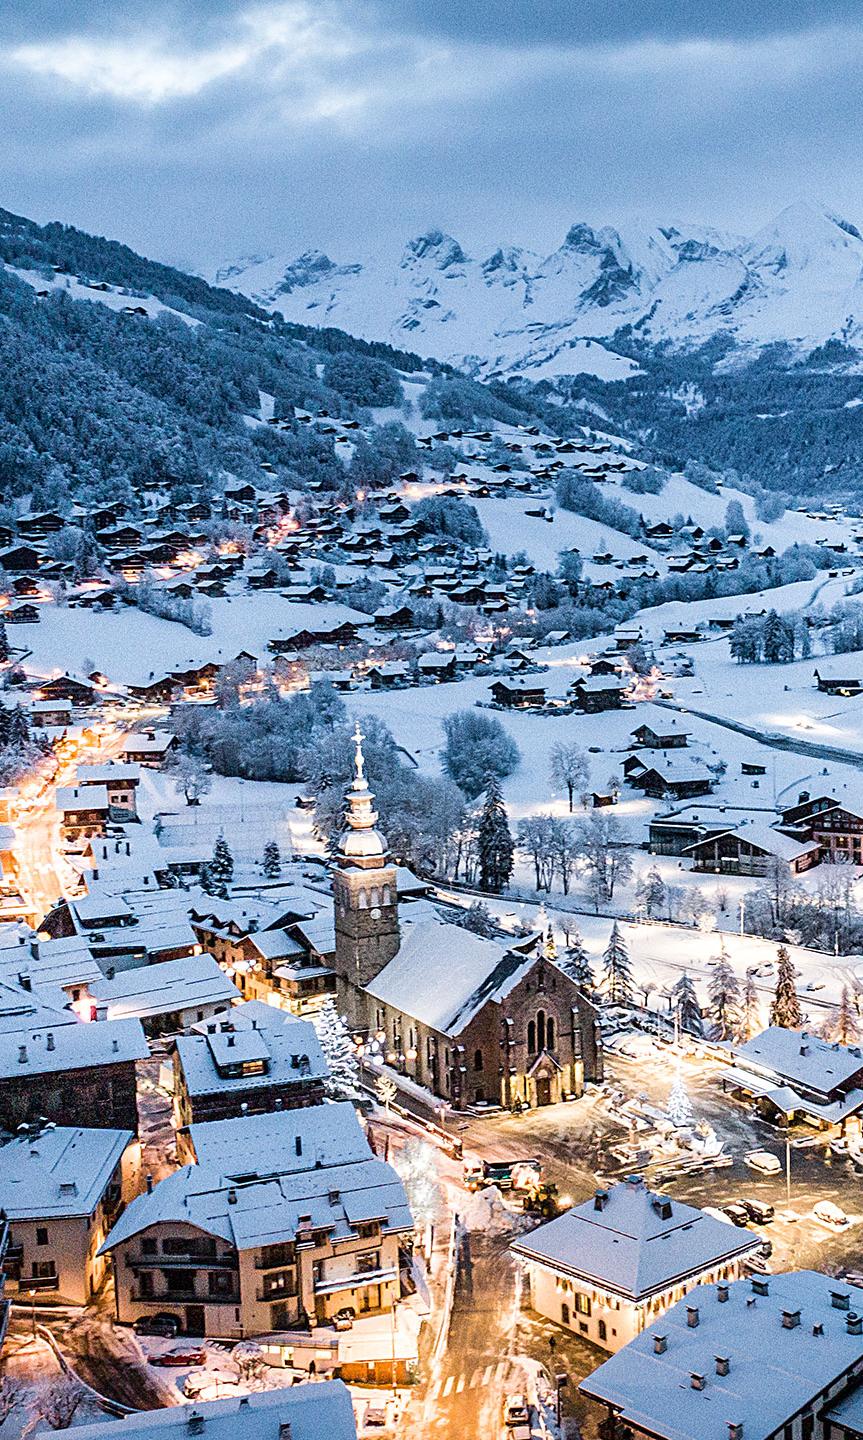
point(62, 1171)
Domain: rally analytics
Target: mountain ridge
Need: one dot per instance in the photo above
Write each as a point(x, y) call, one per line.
point(797, 281)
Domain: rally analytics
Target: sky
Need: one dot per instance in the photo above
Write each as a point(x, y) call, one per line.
point(201, 130)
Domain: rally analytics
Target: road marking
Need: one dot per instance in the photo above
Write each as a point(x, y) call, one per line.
point(434, 1389)
point(460, 1386)
point(500, 1371)
point(487, 1373)
point(475, 1379)
point(447, 1389)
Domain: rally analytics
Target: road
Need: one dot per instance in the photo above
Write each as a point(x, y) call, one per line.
point(775, 739)
point(43, 874)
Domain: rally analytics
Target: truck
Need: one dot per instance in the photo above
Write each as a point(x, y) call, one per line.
point(505, 1174)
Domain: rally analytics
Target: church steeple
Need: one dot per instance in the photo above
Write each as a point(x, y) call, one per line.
point(361, 844)
point(365, 897)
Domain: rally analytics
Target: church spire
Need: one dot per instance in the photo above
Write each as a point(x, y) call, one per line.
point(361, 844)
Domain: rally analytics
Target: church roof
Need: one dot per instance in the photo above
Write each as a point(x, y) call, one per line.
point(442, 975)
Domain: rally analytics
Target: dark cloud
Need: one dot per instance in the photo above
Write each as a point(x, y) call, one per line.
point(502, 121)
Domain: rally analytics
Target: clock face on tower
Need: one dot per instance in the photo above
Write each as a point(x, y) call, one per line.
point(376, 912)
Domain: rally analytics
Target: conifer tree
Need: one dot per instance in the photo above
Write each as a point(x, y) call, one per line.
point(495, 845)
point(679, 1107)
point(724, 993)
point(4, 644)
point(272, 862)
point(785, 1010)
point(576, 962)
point(338, 1049)
point(749, 1022)
point(686, 1005)
point(617, 968)
point(221, 867)
point(842, 1024)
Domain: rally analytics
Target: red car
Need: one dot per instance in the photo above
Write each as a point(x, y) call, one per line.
point(179, 1358)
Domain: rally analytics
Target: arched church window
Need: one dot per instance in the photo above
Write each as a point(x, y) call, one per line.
point(363, 900)
point(477, 1059)
point(549, 1033)
point(385, 895)
point(531, 1038)
point(540, 1029)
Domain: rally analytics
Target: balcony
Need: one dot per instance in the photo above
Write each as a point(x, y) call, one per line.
point(167, 1298)
point(267, 1297)
point(331, 1284)
point(38, 1282)
point(181, 1262)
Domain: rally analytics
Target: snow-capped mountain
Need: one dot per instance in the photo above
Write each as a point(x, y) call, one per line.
point(798, 280)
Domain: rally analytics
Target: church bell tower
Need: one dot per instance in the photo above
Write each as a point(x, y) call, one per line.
point(365, 900)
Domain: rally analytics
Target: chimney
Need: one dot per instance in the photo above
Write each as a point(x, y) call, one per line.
point(853, 1323)
point(760, 1285)
point(840, 1299)
point(662, 1206)
point(232, 1197)
point(696, 1381)
point(244, 1401)
point(231, 1042)
point(110, 972)
point(722, 1292)
point(723, 1364)
point(34, 948)
point(49, 1040)
point(149, 1184)
point(285, 1432)
point(790, 1319)
point(115, 1044)
point(735, 1430)
point(195, 1423)
point(334, 1196)
point(818, 1328)
point(298, 1145)
point(692, 1316)
point(804, 1049)
point(660, 1344)
point(22, 1054)
point(24, 981)
point(599, 1199)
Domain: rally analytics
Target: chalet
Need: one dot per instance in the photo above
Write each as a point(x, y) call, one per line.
point(167, 996)
point(669, 738)
point(832, 680)
point(283, 967)
point(838, 832)
point(50, 713)
point(26, 584)
point(518, 694)
point(675, 775)
point(25, 614)
point(579, 1278)
point(61, 1189)
point(661, 530)
point(749, 849)
point(254, 1060)
point(19, 557)
point(387, 674)
point(599, 692)
point(148, 747)
point(682, 635)
point(37, 525)
point(62, 1072)
point(121, 783)
point(341, 634)
point(84, 810)
point(393, 617)
point(792, 1073)
point(68, 687)
point(437, 664)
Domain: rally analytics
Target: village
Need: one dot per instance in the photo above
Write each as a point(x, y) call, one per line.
point(288, 1100)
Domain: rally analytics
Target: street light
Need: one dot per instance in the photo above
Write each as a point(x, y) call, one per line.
point(560, 1382)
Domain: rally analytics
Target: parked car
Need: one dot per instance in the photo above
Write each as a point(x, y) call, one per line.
point(716, 1214)
point(736, 1214)
point(162, 1323)
point(188, 1356)
point(516, 1418)
point(757, 1210)
point(763, 1161)
point(344, 1318)
point(830, 1214)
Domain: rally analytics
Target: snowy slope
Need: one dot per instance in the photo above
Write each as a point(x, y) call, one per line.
point(797, 280)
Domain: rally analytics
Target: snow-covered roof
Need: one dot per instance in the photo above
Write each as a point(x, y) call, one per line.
point(164, 988)
point(83, 797)
point(633, 1242)
point(803, 1059)
point(319, 1411)
point(442, 975)
point(61, 1171)
point(70, 1047)
point(284, 1038)
point(776, 1366)
point(267, 1211)
point(111, 773)
point(284, 1142)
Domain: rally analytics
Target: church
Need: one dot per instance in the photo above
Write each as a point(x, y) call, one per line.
point(472, 1020)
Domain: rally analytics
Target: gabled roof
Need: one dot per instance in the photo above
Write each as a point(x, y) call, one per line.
point(62, 1171)
point(633, 1242)
point(312, 1411)
point(442, 975)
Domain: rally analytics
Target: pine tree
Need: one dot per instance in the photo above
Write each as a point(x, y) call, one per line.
point(495, 844)
point(19, 727)
point(841, 1024)
point(785, 1010)
point(724, 993)
point(679, 1106)
point(686, 1006)
point(272, 862)
point(576, 963)
point(650, 891)
point(338, 1048)
point(749, 1023)
point(221, 867)
point(4, 644)
point(617, 968)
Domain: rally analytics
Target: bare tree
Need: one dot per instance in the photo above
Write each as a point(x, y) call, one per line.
point(601, 850)
point(191, 778)
point(55, 1401)
point(568, 768)
point(536, 840)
